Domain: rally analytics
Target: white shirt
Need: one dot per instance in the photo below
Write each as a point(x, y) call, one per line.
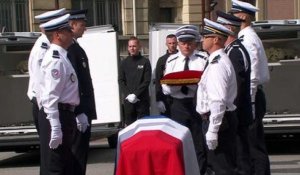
point(175, 63)
point(59, 83)
point(34, 62)
point(259, 62)
point(217, 89)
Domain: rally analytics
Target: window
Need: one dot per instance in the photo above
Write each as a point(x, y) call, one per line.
point(14, 16)
point(101, 12)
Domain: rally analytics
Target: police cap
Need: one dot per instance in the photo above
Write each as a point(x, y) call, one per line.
point(57, 23)
point(78, 14)
point(212, 27)
point(187, 33)
point(47, 16)
point(239, 6)
point(228, 19)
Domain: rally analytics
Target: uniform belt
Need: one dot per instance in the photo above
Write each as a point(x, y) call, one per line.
point(260, 86)
point(205, 116)
point(33, 100)
point(66, 107)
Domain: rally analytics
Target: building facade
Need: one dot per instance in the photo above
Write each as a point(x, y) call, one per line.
point(133, 17)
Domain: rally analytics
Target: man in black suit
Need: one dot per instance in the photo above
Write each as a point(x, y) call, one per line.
point(163, 101)
point(86, 110)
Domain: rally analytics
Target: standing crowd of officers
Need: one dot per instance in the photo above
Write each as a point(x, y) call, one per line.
point(223, 111)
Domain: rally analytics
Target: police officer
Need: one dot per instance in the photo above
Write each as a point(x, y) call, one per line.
point(259, 76)
point(183, 109)
point(240, 60)
point(59, 96)
point(35, 59)
point(216, 93)
point(86, 111)
point(163, 101)
point(134, 79)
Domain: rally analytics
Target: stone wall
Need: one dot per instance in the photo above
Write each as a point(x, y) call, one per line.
point(40, 6)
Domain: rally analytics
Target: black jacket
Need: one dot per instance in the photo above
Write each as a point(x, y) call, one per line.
point(237, 53)
point(79, 60)
point(135, 76)
point(159, 73)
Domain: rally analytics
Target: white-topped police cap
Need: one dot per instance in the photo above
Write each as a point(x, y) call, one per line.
point(212, 27)
point(47, 16)
point(187, 33)
point(57, 23)
point(228, 19)
point(78, 14)
point(239, 6)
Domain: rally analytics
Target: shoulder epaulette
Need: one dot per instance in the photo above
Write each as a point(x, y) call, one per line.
point(172, 59)
point(241, 38)
point(216, 59)
point(201, 56)
point(44, 45)
point(55, 54)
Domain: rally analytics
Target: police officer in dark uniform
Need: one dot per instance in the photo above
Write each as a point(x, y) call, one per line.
point(240, 60)
point(85, 112)
point(259, 76)
point(134, 79)
point(59, 95)
point(163, 101)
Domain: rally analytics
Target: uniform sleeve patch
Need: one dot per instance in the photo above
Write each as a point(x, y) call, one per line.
point(55, 74)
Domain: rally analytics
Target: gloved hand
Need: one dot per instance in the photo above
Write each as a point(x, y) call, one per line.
point(56, 133)
point(211, 140)
point(132, 98)
point(82, 122)
point(161, 106)
point(253, 110)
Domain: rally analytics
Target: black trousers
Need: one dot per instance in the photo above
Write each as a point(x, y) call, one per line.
point(184, 112)
point(57, 161)
point(259, 155)
point(222, 160)
point(80, 150)
point(243, 160)
point(35, 113)
point(132, 112)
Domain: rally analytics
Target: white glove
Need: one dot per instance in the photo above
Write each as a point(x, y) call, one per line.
point(211, 140)
point(253, 110)
point(132, 98)
point(161, 106)
point(56, 133)
point(82, 122)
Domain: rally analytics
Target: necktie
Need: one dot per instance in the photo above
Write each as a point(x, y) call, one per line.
point(186, 64)
point(184, 89)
